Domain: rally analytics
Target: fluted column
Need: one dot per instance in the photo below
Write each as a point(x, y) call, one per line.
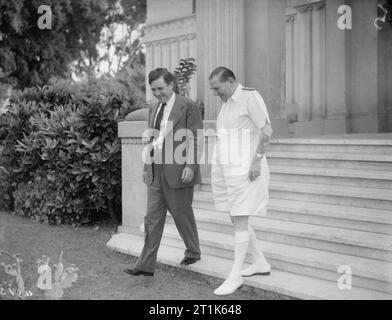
point(304, 60)
point(336, 72)
point(149, 67)
point(318, 101)
point(165, 52)
point(220, 32)
point(290, 59)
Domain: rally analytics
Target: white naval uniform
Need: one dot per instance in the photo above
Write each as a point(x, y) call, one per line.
point(239, 122)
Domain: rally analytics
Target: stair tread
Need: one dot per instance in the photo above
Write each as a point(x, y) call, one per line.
point(322, 140)
point(279, 281)
point(370, 268)
point(355, 213)
point(333, 172)
point(333, 190)
point(326, 233)
point(349, 156)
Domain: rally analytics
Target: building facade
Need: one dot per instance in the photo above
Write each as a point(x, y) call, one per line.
point(323, 67)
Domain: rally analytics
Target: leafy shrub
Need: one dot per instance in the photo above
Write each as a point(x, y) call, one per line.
point(14, 124)
point(183, 74)
point(61, 155)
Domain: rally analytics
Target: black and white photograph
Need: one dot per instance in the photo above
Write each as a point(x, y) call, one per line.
point(203, 152)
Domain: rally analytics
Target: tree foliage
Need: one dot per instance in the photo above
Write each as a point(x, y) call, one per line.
point(30, 56)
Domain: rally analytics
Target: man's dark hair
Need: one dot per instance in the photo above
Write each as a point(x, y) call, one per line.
point(223, 73)
point(161, 72)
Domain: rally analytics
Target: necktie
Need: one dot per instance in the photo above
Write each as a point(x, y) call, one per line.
point(159, 117)
point(157, 124)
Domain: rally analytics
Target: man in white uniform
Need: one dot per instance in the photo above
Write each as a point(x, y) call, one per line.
point(240, 173)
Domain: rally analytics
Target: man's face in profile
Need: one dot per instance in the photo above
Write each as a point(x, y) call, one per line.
point(161, 90)
point(221, 89)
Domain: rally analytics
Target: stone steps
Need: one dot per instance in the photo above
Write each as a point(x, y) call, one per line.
point(329, 194)
point(352, 218)
point(330, 206)
point(331, 147)
point(352, 242)
point(331, 160)
point(286, 283)
point(367, 157)
point(333, 176)
point(332, 194)
point(367, 273)
point(325, 163)
point(376, 179)
point(378, 139)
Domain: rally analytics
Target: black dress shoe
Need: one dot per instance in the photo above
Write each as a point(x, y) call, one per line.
point(137, 272)
point(188, 260)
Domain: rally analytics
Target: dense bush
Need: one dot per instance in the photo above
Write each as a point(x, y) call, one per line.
point(14, 125)
point(61, 156)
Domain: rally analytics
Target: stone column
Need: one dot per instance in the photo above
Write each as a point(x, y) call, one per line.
point(336, 73)
point(385, 78)
point(318, 102)
point(275, 44)
point(290, 59)
point(220, 32)
point(264, 61)
point(134, 191)
point(364, 68)
point(304, 55)
point(165, 52)
point(149, 67)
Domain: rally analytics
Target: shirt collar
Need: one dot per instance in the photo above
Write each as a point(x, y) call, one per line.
point(170, 103)
point(236, 94)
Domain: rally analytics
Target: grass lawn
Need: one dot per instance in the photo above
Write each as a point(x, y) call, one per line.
point(101, 273)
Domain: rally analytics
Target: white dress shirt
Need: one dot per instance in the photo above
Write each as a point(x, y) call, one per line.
point(158, 143)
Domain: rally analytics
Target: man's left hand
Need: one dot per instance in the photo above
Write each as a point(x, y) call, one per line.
point(187, 175)
point(255, 169)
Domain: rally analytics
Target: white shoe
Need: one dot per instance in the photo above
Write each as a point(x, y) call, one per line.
point(229, 286)
point(253, 269)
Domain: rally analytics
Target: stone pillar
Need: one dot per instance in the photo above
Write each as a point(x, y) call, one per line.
point(275, 45)
point(134, 191)
point(264, 62)
point(318, 102)
point(290, 59)
point(220, 32)
point(336, 73)
point(364, 69)
point(385, 78)
point(304, 55)
point(149, 67)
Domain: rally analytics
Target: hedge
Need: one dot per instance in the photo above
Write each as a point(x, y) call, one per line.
point(60, 156)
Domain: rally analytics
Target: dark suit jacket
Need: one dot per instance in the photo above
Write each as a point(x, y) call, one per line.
point(184, 115)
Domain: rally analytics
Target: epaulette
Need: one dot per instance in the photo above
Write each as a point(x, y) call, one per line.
point(248, 89)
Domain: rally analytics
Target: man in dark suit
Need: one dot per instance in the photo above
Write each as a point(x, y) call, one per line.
point(171, 175)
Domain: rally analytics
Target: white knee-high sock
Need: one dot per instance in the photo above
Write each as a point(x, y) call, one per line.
point(258, 257)
point(241, 242)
